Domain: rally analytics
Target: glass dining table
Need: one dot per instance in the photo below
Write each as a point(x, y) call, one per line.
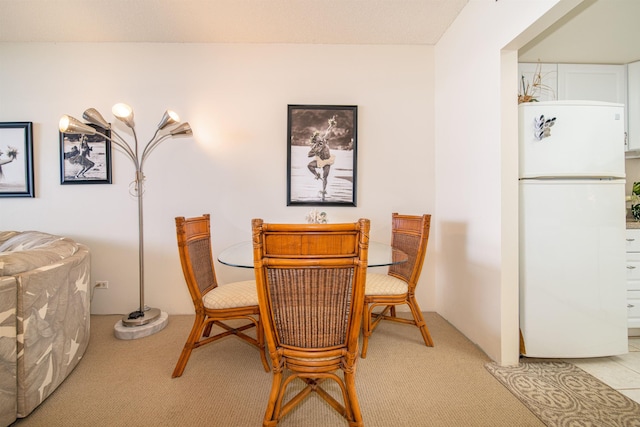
point(380, 255)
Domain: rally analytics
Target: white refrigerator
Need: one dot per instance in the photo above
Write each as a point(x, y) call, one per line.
point(572, 229)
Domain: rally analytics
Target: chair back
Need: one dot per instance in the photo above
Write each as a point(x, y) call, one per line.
point(194, 246)
point(410, 234)
point(310, 280)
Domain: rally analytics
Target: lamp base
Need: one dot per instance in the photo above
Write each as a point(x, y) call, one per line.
point(131, 333)
point(139, 318)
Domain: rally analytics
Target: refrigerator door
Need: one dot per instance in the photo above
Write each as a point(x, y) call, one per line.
point(572, 268)
point(574, 139)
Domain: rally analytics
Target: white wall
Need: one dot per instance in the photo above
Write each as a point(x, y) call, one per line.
point(476, 168)
point(573, 40)
point(234, 167)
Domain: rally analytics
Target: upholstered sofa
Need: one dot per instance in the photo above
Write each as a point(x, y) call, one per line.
point(44, 317)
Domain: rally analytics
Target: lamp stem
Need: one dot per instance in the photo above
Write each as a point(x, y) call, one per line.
point(135, 148)
point(123, 145)
point(143, 315)
point(139, 179)
point(150, 146)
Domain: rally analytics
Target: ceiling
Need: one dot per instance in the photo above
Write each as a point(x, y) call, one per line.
point(228, 21)
point(597, 31)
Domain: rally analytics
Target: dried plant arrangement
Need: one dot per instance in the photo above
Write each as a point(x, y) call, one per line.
point(529, 92)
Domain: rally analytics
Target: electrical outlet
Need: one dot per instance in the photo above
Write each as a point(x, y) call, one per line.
point(102, 284)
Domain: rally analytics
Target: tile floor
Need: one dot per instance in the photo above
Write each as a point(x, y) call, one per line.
point(619, 372)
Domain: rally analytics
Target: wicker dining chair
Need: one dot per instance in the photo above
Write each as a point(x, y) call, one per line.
point(214, 305)
point(410, 234)
point(310, 280)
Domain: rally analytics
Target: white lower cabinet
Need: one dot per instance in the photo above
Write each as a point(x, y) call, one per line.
point(633, 277)
point(633, 307)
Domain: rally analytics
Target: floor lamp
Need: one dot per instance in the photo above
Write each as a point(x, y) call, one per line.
point(124, 113)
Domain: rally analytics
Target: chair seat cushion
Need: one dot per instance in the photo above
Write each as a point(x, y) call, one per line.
point(231, 295)
point(383, 284)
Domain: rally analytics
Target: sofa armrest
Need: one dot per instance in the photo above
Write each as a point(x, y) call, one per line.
point(8, 351)
point(53, 326)
point(32, 249)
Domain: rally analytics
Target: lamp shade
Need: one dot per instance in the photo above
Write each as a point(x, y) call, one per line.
point(69, 124)
point(168, 118)
point(124, 113)
point(93, 116)
point(182, 129)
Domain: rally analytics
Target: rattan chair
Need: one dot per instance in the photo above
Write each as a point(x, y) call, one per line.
point(310, 280)
point(214, 305)
point(410, 234)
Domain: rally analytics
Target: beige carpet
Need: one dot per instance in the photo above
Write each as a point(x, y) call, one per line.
point(562, 394)
point(400, 383)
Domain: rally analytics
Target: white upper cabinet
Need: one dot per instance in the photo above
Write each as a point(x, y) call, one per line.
point(574, 82)
point(633, 106)
point(592, 82)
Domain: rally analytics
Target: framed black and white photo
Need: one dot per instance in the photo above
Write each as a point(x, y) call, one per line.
point(16, 159)
point(85, 159)
point(321, 155)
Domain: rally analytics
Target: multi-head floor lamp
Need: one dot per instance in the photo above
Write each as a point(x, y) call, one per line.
point(124, 113)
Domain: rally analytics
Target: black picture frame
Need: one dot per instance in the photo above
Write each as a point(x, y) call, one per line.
point(16, 159)
point(322, 147)
point(85, 159)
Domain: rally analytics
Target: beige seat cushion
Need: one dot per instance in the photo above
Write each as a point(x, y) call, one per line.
point(231, 295)
point(383, 284)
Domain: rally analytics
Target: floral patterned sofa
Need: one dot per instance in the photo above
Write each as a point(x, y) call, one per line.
point(44, 317)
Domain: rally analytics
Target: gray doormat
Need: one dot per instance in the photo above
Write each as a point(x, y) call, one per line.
point(561, 394)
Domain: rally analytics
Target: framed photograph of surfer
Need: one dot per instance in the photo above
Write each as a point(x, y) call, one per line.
point(322, 155)
point(16, 159)
point(85, 159)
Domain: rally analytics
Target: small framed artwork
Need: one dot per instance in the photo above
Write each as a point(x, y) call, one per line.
point(85, 159)
point(322, 155)
point(16, 159)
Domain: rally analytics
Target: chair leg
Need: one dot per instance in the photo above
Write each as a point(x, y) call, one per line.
point(261, 346)
point(419, 319)
point(350, 383)
point(366, 329)
point(271, 414)
point(193, 338)
point(207, 330)
point(368, 324)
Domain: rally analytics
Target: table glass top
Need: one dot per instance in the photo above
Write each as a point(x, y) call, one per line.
point(380, 254)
